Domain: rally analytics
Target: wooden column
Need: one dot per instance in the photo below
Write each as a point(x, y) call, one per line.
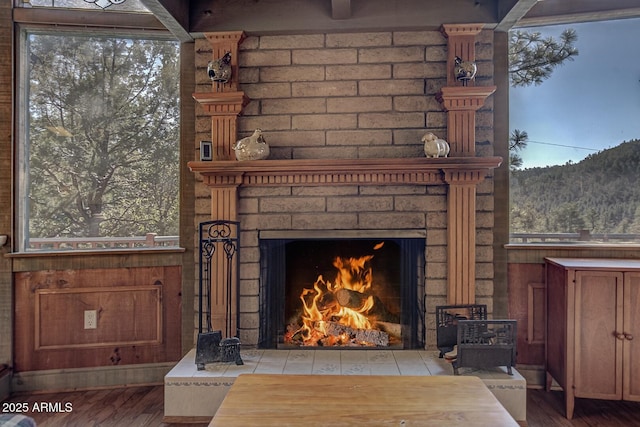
point(224, 189)
point(224, 196)
point(461, 103)
point(224, 103)
point(224, 108)
point(461, 234)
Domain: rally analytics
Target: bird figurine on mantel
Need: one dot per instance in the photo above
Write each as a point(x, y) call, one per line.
point(464, 70)
point(252, 147)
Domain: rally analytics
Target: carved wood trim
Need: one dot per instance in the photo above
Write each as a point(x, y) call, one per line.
point(222, 43)
point(536, 303)
point(224, 202)
point(222, 103)
point(461, 43)
point(224, 108)
point(461, 104)
point(461, 250)
point(457, 177)
point(223, 180)
point(418, 171)
point(464, 98)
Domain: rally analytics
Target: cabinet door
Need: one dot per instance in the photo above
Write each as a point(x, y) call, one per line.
point(598, 350)
point(631, 363)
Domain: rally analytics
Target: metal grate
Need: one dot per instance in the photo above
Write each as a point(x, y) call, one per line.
point(486, 344)
point(447, 318)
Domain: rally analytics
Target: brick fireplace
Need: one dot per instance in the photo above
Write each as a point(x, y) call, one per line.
point(344, 115)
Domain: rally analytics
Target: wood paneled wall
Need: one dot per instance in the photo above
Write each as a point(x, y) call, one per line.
point(6, 103)
point(138, 317)
point(527, 306)
point(527, 289)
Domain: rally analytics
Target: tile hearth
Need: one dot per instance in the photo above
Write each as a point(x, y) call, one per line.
point(191, 394)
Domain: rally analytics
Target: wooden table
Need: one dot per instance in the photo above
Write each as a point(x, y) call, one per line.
point(359, 400)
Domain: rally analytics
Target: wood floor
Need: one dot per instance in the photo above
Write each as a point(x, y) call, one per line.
point(143, 406)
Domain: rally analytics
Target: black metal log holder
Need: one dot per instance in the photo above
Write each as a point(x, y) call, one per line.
point(218, 260)
point(447, 318)
point(486, 344)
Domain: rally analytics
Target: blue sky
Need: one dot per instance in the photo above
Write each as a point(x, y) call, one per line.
point(592, 102)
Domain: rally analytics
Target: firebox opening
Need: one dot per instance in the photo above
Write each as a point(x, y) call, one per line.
point(345, 293)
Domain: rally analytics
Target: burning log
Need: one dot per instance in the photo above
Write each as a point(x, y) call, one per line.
point(394, 329)
point(369, 336)
point(327, 301)
point(351, 299)
point(357, 300)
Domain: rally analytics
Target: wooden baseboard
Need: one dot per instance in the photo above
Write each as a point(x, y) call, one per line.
point(185, 420)
point(5, 384)
point(533, 374)
point(59, 380)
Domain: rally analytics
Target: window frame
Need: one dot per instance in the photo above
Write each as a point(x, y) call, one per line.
point(576, 240)
point(93, 23)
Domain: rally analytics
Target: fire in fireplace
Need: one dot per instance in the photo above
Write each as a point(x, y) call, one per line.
point(358, 306)
point(354, 292)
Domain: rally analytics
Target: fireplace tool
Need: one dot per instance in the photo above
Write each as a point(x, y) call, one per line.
point(219, 273)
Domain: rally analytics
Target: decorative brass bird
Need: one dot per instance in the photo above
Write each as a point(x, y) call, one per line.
point(219, 70)
point(464, 70)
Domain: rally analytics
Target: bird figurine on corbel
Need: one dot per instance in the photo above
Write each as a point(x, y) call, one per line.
point(253, 147)
point(219, 70)
point(464, 70)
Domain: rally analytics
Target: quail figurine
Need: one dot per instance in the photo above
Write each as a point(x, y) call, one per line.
point(464, 70)
point(219, 70)
point(253, 147)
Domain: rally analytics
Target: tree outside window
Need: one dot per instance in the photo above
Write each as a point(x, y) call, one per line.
point(100, 158)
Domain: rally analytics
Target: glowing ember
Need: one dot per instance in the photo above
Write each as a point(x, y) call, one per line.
point(344, 312)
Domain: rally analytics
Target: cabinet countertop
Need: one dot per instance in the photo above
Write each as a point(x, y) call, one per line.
point(616, 264)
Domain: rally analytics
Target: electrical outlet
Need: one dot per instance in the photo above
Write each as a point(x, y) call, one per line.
point(90, 319)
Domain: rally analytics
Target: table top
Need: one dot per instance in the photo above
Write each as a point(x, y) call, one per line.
point(360, 400)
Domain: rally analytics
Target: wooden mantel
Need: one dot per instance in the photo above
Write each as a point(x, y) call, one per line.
point(424, 171)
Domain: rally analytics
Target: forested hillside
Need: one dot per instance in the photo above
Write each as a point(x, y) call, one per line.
point(600, 194)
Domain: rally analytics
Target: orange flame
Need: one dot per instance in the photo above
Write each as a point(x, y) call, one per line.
point(320, 306)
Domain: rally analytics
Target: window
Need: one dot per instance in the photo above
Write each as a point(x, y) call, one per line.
point(99, 141)
point(577, 180)
point(112, 5)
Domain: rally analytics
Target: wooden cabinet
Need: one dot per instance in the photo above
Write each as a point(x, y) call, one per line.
point(593, 318)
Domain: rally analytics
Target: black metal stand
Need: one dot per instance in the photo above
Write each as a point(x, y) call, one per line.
point(447, 319)
point(219, 260)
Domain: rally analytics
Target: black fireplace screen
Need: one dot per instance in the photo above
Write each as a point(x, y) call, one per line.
point(360, 292)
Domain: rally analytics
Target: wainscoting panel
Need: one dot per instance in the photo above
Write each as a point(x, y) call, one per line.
point(526, 305)
point(137, 317)
point(125, 315)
